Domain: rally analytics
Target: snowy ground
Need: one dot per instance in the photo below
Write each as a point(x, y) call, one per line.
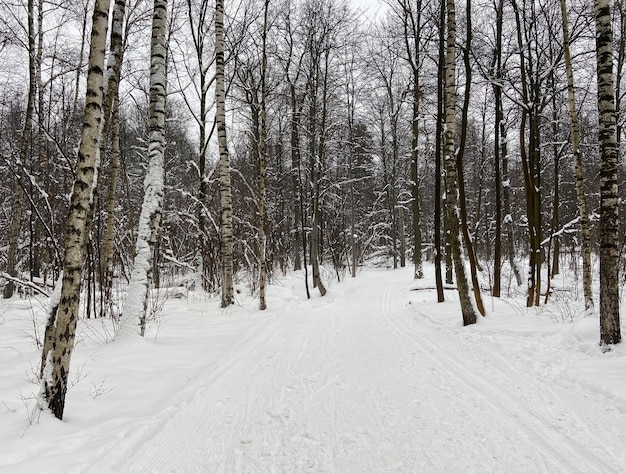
point(375, 377)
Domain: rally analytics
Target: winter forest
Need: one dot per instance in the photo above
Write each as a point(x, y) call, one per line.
point(215, 149)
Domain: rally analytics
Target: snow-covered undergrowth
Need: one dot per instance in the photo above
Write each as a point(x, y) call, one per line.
point(374, 377)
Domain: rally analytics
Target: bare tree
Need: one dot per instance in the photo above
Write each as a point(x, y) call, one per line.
point(18, 196)
point(467, 239)
point(262, 161)
point(413, 36)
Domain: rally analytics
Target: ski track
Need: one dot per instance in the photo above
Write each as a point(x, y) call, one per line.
point(344, 385)
point(563, 453)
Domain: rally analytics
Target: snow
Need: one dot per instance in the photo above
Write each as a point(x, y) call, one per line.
point(374, 377)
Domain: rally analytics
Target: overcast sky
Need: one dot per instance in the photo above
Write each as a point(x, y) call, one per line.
point(372, 7)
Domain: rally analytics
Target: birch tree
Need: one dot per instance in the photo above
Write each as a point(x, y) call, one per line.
point(449, 160)
point(63, 311)
point(610, 332)
point(441, 61)
point(578, 164)
point(226, 219)
point(136, 306)
point(111, 116)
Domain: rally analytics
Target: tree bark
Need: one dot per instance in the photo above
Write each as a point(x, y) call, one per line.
point(438, 147)
point(467, 239)
point(530, 157)
point(18, 196)
point(136, 306)
point(63, 313)
point(452, 197)
point(262, 161)
point(581, 199)
point(497, 93)
point(111, 115)
point(412, 23)
point(226, 215)
point(610, 332)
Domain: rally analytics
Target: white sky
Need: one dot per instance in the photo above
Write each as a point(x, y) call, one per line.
point(372, 7)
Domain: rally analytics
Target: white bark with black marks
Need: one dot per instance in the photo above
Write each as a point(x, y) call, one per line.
point(226, 219)
point(61, 326)
point(583, 212)
point(610, 332)
point(449, 161)
point(136, 305)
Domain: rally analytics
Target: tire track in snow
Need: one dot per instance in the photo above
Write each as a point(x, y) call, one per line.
point(578, 458)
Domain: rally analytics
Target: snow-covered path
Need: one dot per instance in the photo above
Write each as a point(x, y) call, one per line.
point(361, 381)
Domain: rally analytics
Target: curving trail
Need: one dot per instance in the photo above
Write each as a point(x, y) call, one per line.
point(362, 382)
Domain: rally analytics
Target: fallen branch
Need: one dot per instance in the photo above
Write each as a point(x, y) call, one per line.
point(26, 283)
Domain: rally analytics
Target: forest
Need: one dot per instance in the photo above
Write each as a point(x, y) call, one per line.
point(217, 146)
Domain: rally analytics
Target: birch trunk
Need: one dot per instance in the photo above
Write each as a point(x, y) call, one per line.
point(136, 305)
point(111, 116)
point(581, 198)
point(63, 314)
point(109, 230)
point(438, 140)
point(226, 219)
point(452, 193)
point(610, 332)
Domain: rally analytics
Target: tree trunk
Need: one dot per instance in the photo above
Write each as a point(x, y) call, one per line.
point(295, 180)
point(226, 219)
point(412, 27)
point(418, 270)
point(262, 161)
point(530, 157)
point(111, 103)
point(108, 251)
point(448, 243)
point(610, 332)
point(438, 147)
point(452, 198)
point(497, 92)
point(402, 237)
point(315, 160)
point(583, 212)
point(467, 239)
point(18, 197)
point(63, 312)
point(506, 194)
point(136, 307)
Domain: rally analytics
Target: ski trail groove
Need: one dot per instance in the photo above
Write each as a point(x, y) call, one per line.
point(149, 431)
point(578, 458)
